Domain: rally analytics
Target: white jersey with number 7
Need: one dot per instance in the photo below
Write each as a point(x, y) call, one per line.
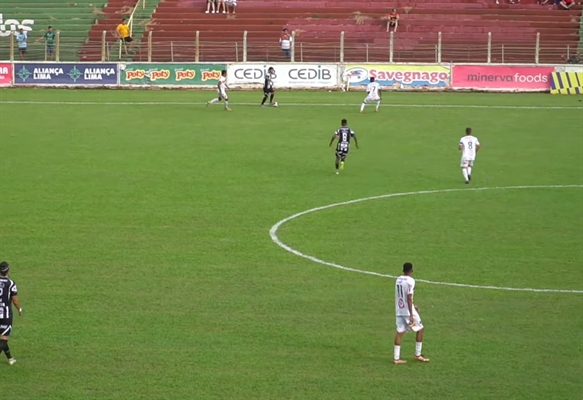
point(373, 91)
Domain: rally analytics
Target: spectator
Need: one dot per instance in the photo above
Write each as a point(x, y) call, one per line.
point(22, 37)
point(285, 41)
point(210, 6)
point(123, 30)
point(231, 5)
point(49, 38)
point(574, 59)
point(393, 20)
point(567, 4)
point(219, 4)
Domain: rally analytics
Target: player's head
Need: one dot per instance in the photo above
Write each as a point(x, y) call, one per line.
point(271, 70)
point(468, 131)
point(407, 268)
point(4, 268)
point(224, 72)
point(371, 79)
point(344, 122)
point(50, 28)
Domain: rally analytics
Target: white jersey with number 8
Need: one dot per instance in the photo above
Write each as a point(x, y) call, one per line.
point(469, 145)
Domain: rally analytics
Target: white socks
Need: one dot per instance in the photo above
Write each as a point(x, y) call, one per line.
point(378, 104)
point(362, 107)
point(226, 104)
point(465, 172)
point(397, 352)
point(469, 171)
point(418, 346)
point(215, 100)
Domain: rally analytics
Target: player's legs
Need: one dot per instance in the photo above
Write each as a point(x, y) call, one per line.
point(402, 327)
point(337, 163)
point(470, 165)
point(363, 105)
point(265, 96)
point(419, 338)
point(378, 105)
point(464, 165)
point(5, 330)
point(271, 97)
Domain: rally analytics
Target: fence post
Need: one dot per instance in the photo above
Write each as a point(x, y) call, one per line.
point(12, 48)
point(568, 52)
point(58, 49)
point(502, 54)
point(103, 43)
point(439, 47)
point(537, 48)
point(366, 52)
point(391, 46)
point(236, 51)
point(489, 47)
point(342, 46)
point(172, 51)
point(150, 46)
point(293, 47)
point(301, 52)
point(244, 46)
point(197, 47)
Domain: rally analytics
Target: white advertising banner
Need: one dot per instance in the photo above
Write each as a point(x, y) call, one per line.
point(286, 75)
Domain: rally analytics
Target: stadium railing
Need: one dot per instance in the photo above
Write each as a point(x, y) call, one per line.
point(195, 50)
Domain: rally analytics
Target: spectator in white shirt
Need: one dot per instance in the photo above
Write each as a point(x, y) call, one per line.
point(286, 41)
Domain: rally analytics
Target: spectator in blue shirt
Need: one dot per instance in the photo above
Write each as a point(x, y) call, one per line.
point(21, 37)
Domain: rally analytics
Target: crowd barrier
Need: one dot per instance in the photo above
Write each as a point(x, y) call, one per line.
point(479, 77)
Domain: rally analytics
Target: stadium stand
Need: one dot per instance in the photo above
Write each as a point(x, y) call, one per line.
point(73, 20)
point(464, 25)
point(112, 14)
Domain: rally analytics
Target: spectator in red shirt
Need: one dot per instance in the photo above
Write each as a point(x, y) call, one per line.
point(567, 4)
point(393, 20)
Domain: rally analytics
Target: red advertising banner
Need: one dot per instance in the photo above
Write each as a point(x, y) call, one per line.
point(502, 77)
point(5, 74)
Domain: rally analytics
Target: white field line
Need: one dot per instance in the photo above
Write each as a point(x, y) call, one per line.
point(179, 103)
point(276, 240)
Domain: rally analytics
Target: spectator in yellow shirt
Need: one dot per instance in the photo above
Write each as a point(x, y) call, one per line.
point(123, 31)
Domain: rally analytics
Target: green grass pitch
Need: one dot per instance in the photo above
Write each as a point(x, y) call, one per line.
point(138, 233)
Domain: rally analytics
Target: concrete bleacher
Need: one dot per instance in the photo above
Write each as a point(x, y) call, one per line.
point(464, 25)
point(112, 14)
point(72, 20)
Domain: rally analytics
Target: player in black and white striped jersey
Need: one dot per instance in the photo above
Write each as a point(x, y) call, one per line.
point(8, 295)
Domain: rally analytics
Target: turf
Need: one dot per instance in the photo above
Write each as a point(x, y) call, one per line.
point(139, 239)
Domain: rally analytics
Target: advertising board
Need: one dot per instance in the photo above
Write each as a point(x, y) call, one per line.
point(5, 74)
point(500, 77)
point(402, 76)
point(286, 75)
point(68, 74)
point(167, 74)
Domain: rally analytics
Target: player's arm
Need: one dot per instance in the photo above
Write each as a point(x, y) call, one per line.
point(461, 146)
point(355, 140)
point(410, 306)
point(477, 146)
point(17, 304)
point(41, 38)
point(332, 140)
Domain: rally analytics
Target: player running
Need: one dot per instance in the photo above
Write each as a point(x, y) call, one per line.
point(268, 88)
point(408, 318)
point(8, 296)
point(373, 91)
point(222, 88)
point(469, 145)
point(344, 133)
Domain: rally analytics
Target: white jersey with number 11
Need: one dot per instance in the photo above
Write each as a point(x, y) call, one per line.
point(404, 286)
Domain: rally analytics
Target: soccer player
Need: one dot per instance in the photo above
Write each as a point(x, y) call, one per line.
point(344, 134)
point(8, 295)
point(469, 145)
point(408, 318)
point(222, 88)
point(268, 87)
point(373, 91)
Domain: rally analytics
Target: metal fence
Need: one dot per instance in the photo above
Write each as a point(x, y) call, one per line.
point(151, 49)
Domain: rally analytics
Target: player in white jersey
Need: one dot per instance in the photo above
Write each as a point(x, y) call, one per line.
point(469, 145)
point(373, 91)
point(408, 318)
point(222, 88)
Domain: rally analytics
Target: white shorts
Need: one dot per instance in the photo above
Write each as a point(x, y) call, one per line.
point(467, 162)
point(371, 99)
point(223, 95)
point(403, 323)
